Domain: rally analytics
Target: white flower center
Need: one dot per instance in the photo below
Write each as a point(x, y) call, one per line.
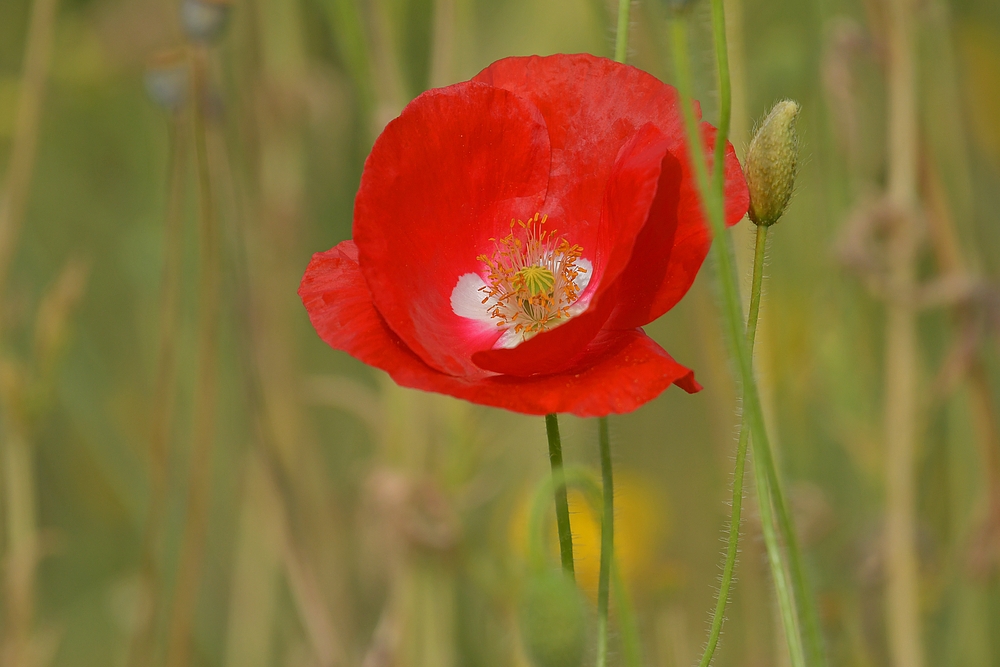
point(533, 282)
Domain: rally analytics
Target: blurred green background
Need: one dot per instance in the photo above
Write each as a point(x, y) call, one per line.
point(326, 517)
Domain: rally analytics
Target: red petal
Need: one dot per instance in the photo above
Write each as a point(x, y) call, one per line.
point(441, 180)
point(592, 106)
point(672, 246)
point(621, 372)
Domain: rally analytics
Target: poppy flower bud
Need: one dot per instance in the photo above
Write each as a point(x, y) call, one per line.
point(204, 20)
point(771, 163)
point(553, 620)
point(167, 80)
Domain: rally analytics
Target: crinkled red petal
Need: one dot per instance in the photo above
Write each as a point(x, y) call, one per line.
point(592, 106)
point(441, 180)
point(620, 372)
point(676, 238)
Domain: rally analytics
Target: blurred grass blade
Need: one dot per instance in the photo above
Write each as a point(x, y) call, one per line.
point(21, 166)
point(352, 42)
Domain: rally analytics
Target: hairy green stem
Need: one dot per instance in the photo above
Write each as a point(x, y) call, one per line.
point(732, 547)
point(627, 624)
point(713, 202)
point(765, 478)
point(804, 597)
point(607, 540)
point(725, 97)
point(808, 612)
point(607, 478)
point(584, 480)
point(621, 34)
point(559, 490)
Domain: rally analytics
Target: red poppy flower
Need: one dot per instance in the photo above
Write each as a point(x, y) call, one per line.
point(513, 232)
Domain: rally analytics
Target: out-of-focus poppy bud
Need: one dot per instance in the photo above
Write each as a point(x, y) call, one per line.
point(553, 620)
point(167, 79)
point(204, 20)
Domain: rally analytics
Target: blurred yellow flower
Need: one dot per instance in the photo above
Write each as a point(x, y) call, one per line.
point(642, 522)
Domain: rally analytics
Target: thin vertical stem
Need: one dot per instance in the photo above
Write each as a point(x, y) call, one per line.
point(629, 628)
point(604, 439)
point(779, 568)
point(203, 430)
point(21, 166)
point(902, 571)
point(621, 34)
point(607, 540)
point(443, 47)
point(732, 547)
point(22, 543)
point(901, 351)
point(804, 597)
point(712, 201)
point(21, 558)
point(809, 615)
point(559, 487)
point(725, 97)
point(163, 398)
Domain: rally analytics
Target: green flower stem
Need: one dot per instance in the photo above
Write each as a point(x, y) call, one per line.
point(607, 541)
point(732, 548)
point(573, 476)
point(725, 100)
point(584, 480)
point(809, 614)
point(621, 34)
point(607, 478)
point(804, 596)
point(712, 200)
point(766, 478)
point(559, 489)
point(631, 645)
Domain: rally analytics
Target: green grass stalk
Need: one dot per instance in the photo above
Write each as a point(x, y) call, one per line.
point(713, 202)
point(16, 451)
point(732, 546)
point(559, 490)
point(604, 440)
point(901, 346)
point(607, 540)
point(22, 550)
point(203, 429)
point(621, 34)
point(24, 143)
point(627, 623)
point(804, 597)
point(163, 397)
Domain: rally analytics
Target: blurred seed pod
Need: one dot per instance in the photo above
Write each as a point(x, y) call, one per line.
point(204, 20)
point(553, 620)
point(167, 79)
point(771, 163)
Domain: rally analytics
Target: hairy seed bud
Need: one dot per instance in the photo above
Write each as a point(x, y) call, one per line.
point(771, 163)
point(553, 621)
